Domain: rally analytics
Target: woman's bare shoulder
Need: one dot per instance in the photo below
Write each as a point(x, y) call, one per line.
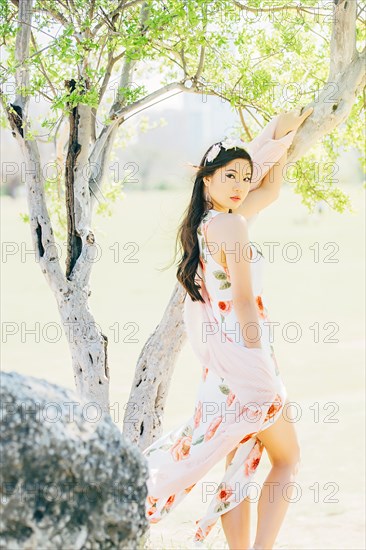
point(231, 227)
point(232, 221)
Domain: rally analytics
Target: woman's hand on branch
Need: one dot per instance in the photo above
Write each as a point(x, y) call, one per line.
point(291, 121)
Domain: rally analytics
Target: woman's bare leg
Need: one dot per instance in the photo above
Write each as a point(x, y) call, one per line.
point(281, 444)
point(236, 522)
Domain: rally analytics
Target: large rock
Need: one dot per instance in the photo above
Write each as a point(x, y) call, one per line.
point(69, 479)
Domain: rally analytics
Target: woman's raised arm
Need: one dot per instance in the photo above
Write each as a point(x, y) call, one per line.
point(269, 154)
point(267, 193)
point(273, 141)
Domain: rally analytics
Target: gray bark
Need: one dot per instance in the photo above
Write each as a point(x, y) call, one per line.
point(155, 367)
point(88, 349)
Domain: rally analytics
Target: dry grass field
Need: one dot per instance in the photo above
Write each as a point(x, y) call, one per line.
point(322, 294)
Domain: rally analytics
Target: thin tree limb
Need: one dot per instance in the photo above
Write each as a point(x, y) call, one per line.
point(277, 8)
point(247, 131)
point(40, 224)
point(43, 70)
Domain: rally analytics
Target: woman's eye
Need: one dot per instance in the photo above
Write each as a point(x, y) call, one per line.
point(248, 178)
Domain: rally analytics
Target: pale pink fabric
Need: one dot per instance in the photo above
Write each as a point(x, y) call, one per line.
point(180, 458)
point(265, 150)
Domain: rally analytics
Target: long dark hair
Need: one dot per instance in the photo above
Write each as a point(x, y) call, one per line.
point(197, 207)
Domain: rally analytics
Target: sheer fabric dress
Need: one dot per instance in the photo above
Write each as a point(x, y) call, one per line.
point(240, 393)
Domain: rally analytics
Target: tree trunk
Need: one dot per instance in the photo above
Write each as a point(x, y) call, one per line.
point(143, 418)
point(88, 346)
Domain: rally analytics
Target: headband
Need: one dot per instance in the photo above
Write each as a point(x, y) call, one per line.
point(228, 143)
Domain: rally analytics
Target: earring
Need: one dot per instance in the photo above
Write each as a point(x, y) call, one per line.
point(206, 193)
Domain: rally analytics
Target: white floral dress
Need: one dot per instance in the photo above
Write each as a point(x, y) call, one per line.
point(187, 452)
point(217, 280)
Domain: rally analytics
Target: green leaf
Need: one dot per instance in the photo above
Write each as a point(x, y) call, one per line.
point(225, 285)
point(199, 440)
point(224, 389)
point(221, 275)
point(25, 217)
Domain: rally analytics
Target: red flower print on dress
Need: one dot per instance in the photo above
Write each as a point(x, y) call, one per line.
point(180, 449)
point(247, 437)
point(250, 413)
point(251, 463)
point(225, 307)
point(168, 503)
point(227, 272)
point(198, 414)
point(189, 488)
point(274, 407)
point(152, 509)
point(152, 500)
point(230, 398)
point(205, 371)
point(211, 430)
point(203, 265)
point(200, 535)
point(224, 492)
point(152, 520)
point(261, 309)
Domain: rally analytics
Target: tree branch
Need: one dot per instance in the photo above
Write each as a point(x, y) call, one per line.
point(331, 108)
point(43, 70)
point(71, 9)
point(203, 47)
point(278, 8)
point(55, 14)
point(343, 40)
point(117, 11)
point(40, 223)
point(80, 235)
point(247, 131)
point(102, 146)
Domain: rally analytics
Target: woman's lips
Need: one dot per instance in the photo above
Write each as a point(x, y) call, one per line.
point(235, 199)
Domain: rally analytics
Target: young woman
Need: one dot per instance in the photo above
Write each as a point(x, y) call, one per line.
point(241, 397)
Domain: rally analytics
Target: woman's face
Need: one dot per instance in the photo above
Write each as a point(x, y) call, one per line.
point(231, 180)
